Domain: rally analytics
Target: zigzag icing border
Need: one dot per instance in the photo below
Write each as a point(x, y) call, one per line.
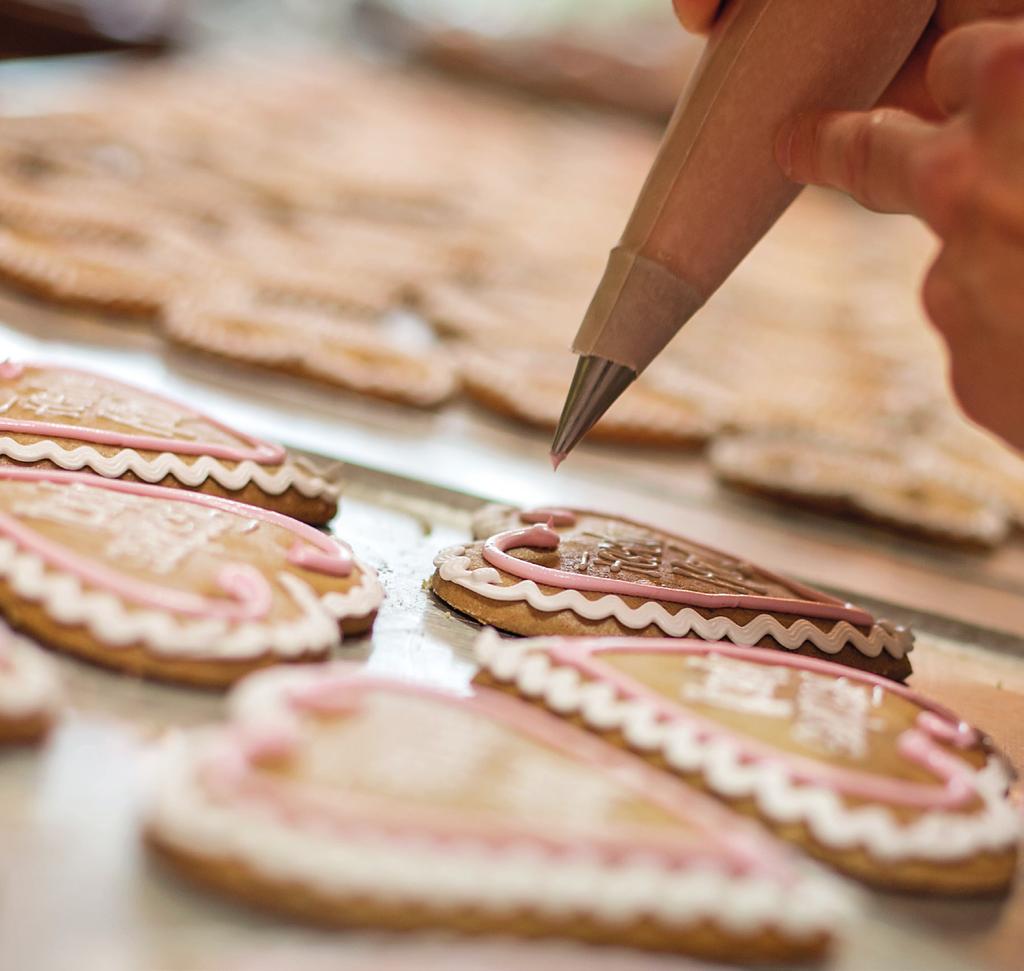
point(453, 565)
point(288, 475)
point(29, 684)
point(939, 836)
point(117, 624)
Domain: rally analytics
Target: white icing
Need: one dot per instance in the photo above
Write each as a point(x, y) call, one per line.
point(940, 836)
point(453, 565)
point(116, 623)
point(272, 480)
point(29, 685)
point(421, 870)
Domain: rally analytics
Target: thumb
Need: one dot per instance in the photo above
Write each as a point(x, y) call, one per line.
point(868, 155)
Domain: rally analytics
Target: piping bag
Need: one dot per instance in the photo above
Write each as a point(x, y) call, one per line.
point(715, 188)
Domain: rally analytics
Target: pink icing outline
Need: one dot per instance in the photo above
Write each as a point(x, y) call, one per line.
point(251, 594)
point(915, 744)
point(261, 452)
point(721, 837)
point(544, 537)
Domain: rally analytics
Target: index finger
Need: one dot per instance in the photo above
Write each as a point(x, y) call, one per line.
point(868, 155)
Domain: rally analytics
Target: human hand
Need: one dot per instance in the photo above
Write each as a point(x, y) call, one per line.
point(962, 172)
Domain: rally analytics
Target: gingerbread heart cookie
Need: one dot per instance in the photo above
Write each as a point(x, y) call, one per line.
point(59, 417)
point(341, 798)
point(349, 353)
point(30, 693)
point(169, 584)
point(563, 571)
point(858, 771)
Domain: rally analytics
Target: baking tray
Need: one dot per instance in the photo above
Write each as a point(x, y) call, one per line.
point(79, 893)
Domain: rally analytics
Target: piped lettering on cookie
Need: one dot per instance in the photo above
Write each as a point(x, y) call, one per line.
point(742, 593)
point(814, 721)
point(61, 403)
point(152, 529)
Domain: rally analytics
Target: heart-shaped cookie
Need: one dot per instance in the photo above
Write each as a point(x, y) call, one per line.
point(30, 693)
point(343, 798)
point(857, 770)
point(65, 418)
point(171, 584)
point(569, 572)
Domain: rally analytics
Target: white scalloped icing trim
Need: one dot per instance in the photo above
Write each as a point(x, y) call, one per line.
point(290, 474)
point(940, 836)
point(116, 623)
point(453, 565)
point(29, 684)
point(444, 873)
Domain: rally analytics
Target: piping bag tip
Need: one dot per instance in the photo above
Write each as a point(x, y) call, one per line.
point(595, 387)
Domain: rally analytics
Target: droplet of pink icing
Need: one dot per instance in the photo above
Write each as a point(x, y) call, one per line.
point(336, 563)
point(553, 516)
point(557, 458)
point(9, 370)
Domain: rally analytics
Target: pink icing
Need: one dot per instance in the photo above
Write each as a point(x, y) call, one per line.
point(551, 517)
point(264, 453)
point(334, 564)
point(557, 458)
point(249, 593)
point(917, 744)
point(722, 837)
point(944, 727)
point(545, 538)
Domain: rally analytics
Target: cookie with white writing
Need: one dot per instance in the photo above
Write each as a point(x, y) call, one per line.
point(344, 799)
point(63, 418)
point(569, 572)
point(30, 692)
point(170, 584)
point(858, 771)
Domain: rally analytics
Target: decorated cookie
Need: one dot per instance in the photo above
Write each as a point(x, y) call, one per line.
point(170, 584)
point(341, 798)
point(562, 571)
point(903, 486)
point(528, 383)
point(57, 417)
point(346, 352)
point(856, 770)
point(30, 694)
point(95, 275)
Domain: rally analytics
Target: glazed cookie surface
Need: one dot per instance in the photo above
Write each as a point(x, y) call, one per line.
point(30, 692)
point(342, 798)
point(64, 418)
point(858, 771)
point(570, 572)
point(171, 584)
